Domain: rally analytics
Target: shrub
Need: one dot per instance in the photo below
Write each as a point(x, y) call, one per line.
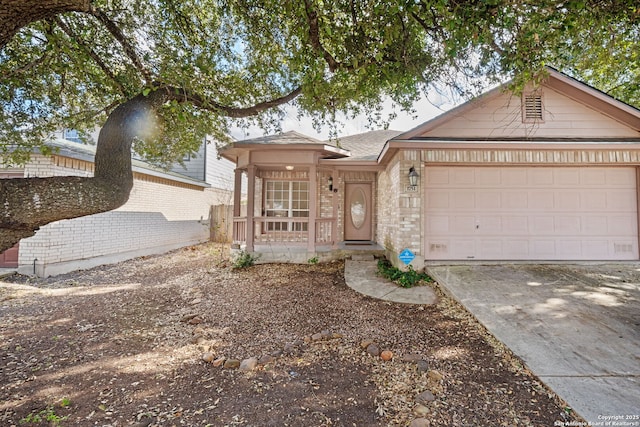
point(244, 259)
point(405, 279)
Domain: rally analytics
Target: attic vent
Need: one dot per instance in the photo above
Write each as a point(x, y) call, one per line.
point(532, 110)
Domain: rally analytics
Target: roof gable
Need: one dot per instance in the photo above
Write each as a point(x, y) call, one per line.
point(570, 109)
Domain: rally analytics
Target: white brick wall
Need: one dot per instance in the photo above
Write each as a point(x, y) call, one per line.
point(157, 217)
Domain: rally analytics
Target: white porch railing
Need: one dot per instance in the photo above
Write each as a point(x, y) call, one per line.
point(284, 230)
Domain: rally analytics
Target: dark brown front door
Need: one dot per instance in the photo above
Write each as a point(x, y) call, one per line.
point(357, 211)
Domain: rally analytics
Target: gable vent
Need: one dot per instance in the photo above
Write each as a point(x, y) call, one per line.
point(532, 109)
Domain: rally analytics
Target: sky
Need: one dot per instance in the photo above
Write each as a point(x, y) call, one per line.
point(426, 109)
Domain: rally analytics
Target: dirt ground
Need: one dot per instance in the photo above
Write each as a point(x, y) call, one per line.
point(125, 344)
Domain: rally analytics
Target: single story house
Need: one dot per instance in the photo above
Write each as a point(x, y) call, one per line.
point(552, 174)
point(166, 210)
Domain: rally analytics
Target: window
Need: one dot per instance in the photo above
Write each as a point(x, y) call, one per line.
point(532, 108)
point(71, 135)
point(286, 199)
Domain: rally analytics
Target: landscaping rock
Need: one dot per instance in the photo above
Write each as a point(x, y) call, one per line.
point(425, 397)
point(366, 343)
point(231, 364)
point(317, 337)
point(208, 357)
point(266, 359)
point(373, 349)
point(249, 364)
point(422, 366)
point(420, 422)
point(386, 355)
point(435, 375)
point(196, 320)
point(420, 410)
point(412, 358)
point(218, 362)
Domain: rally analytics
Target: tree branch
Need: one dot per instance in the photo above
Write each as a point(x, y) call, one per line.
point(96, 58)
point(185, 95)
point(314, 36)
point(16, 14)
point(128, 48)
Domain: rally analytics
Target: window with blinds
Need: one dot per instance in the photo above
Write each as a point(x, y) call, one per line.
point(287, 199)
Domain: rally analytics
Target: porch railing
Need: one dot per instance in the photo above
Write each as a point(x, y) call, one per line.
point(284, 230)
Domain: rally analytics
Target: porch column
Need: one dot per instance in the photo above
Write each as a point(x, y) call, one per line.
point(251, 200)
point(313, 192)
point(237, 193)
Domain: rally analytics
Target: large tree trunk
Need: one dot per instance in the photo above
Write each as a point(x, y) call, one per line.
point(16, 14)
point(29, 203)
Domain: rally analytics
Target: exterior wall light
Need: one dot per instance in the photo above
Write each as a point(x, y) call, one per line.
point(330, 183)
point(413, 177)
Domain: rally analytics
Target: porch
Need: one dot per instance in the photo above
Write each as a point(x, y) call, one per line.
point(288, 240)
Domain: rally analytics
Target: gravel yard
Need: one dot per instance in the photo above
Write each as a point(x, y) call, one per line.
point(157, 341)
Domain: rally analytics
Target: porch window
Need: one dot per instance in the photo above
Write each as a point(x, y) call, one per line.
point(287, 199)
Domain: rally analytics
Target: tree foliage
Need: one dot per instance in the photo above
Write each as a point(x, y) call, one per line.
point(224, 58)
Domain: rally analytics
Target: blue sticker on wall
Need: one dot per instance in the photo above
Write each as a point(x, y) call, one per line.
point(406, 256)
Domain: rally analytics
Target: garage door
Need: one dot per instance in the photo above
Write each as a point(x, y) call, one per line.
point(531, 213)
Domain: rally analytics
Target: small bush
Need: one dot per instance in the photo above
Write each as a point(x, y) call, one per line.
point(313, 260)
point(244, 259)
point(405, 279)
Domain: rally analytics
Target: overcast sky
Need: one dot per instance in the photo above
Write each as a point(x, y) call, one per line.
point(425, 110)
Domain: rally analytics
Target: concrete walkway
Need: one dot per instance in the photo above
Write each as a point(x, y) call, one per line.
point(361, 276)
point(577, 327)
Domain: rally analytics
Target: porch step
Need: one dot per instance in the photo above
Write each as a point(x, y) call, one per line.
point(362, 257)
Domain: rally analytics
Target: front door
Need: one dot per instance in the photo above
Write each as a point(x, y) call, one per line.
point(357, 215)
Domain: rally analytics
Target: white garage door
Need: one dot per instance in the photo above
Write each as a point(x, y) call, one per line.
point(531, 213)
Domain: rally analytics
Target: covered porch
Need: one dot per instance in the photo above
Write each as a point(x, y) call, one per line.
point(290, 198)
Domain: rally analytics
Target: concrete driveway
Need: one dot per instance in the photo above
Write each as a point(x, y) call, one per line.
point(577, 327)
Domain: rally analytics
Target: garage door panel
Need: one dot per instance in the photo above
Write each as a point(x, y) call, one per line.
point(490, 249)
point(593, 177)
point(464, 225)
point(566, 177)
point(518, 248)
point(514, 224)
point(567, 200)
point(621, 200)
point(597, 201)
point(488, 200)
point(516, 177)
point(568, 248)
point(437, 224)
point(544, 213)
point(465, 247)
point(621, 225)
point(541, 200)
point(463, 199)
point(462, 176)
point(515, 200)
point(620, 177)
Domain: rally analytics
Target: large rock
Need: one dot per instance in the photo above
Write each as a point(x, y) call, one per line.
point(249, 364)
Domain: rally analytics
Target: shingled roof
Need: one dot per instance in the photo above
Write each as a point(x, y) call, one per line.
point(366, 146)
point(291, 137)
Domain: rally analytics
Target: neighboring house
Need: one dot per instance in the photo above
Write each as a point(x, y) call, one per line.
point(165, 210)
point(549, 175)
